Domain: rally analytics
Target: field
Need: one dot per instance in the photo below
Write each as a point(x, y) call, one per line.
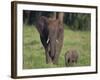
point(34, 54)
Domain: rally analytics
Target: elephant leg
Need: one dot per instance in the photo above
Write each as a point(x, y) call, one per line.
point(48, 58)
point(46, 46)
point(48, 52)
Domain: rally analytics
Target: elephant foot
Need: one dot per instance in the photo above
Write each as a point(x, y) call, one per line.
point(48, 60)
point(55, 62)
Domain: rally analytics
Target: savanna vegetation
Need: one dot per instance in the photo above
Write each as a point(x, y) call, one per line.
point(76, 36)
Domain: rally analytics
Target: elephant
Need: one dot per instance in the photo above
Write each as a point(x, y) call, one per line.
point(71, 57)
point(51, 35)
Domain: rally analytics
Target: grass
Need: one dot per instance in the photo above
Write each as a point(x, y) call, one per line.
point(34, 54)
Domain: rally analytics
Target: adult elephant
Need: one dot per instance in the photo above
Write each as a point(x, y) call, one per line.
point(51, 34)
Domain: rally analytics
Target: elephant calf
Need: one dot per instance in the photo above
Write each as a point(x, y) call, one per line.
point(71, 57)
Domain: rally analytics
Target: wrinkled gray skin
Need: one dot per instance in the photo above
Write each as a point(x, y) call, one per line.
point(51, 34)
point(71, 57)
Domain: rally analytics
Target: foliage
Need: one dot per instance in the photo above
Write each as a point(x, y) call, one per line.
point(78, 21)
point(75, 21)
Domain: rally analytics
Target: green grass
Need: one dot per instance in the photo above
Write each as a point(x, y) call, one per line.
point(34, 54)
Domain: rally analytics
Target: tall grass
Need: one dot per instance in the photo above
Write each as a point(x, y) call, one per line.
point(34, 54)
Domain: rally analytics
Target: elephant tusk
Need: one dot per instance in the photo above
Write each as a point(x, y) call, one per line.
point(48, 41)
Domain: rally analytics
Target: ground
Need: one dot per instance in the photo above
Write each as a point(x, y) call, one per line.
point(34, 54)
